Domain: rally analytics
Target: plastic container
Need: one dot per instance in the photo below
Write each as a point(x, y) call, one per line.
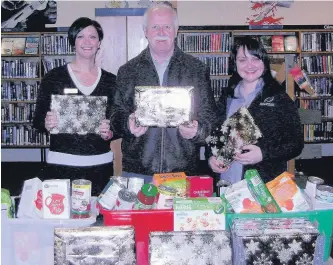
point(30, 241)
point(322, 219)
point(144, 222)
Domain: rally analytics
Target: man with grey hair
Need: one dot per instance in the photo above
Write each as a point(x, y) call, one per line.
point(148, 150)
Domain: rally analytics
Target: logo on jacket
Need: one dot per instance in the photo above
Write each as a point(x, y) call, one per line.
point(268, 102)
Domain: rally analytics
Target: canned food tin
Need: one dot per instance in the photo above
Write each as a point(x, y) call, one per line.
point(165, 197)
point(311, 185)
point(324, 193)
point(121, 181)
point(222, 185)
point(107, 199)
point(81, 198)
point(135, 184)
point(125, 200)
point(316, 180)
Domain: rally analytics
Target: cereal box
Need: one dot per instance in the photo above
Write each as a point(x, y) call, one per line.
point(175, 181)
point(197, 214)
point(199, 186)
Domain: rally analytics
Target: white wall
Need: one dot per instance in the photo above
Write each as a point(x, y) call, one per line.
point(235, 13)
point(212, 12)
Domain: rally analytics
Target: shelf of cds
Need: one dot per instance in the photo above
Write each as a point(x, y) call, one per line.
point(26, 58)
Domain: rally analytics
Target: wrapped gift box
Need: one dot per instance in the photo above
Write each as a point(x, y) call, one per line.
point(276, 241)
point(238, 130)
point(78, 114)
point(163, 106)
point(94, 245)
point(199, 248)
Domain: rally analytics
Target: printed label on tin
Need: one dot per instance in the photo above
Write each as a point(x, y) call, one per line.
point(109, 195)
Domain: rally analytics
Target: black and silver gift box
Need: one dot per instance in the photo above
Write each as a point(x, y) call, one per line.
point(160, 106)
point(94, 245)
point(190, 247)
point(276, 241)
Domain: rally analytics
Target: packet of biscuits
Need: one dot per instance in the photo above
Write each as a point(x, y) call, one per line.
point(287, 194)
point(241, 199)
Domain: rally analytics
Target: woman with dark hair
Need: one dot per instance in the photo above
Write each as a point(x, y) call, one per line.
point(253, 86)
point(75, 156)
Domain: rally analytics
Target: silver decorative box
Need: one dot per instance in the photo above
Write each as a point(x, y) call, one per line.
point(163, 106)
point(94, 245)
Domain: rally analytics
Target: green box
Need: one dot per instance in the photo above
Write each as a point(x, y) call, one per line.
point(322, 219)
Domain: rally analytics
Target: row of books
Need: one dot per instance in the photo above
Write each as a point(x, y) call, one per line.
point(23, 135)
point(50, 45)
point(48, 65)
point(19, 46)
point(19, 91)
point(217, 86)
point(17, 112)
point(56, 44)
point(205, 42)
point(323, 86)
point(324, 105)
point(19, 69)
point(315, 42)
point(319, 64)
point(318, 132)
point(218, 65)
point(277, 43)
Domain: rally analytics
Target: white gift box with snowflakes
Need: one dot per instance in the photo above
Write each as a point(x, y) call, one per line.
point(78, 114)
point(190, 247)
point(275, 241)
point(102, 245)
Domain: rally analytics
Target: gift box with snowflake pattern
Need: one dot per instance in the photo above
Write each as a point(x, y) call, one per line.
point(102, 245)
point(78, 114)
point(190, 247)
point(235, 132)
point(275, 241)
point(159, 106)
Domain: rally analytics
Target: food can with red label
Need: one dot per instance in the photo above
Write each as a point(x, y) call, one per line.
point(81, 198)
point(125, 200)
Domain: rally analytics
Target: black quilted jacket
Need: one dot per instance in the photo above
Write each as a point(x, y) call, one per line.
point(276, 115)
point(163, 149)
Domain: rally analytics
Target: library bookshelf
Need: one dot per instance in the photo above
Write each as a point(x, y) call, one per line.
point(311, 49)
point(25, 58)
